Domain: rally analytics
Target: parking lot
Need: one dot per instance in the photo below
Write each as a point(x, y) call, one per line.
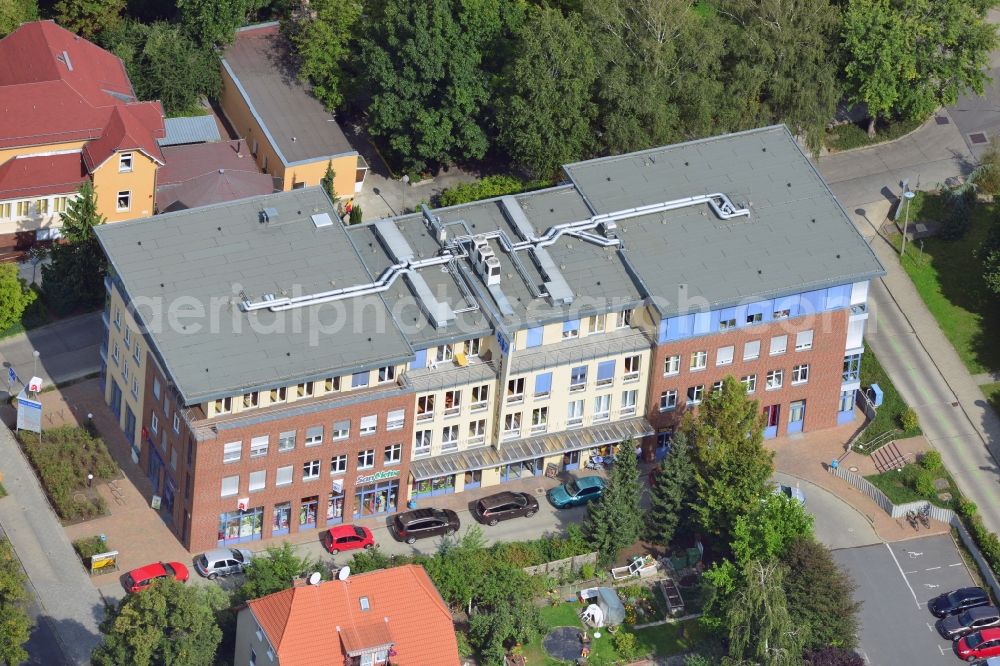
point(895, 582)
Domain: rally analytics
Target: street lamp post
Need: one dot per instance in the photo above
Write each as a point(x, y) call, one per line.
point(908, 195)
point(36, 354)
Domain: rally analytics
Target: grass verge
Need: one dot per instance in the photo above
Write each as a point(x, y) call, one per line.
point(899, 486)
point(992, 394)
point(855, 135)
point(890, 415)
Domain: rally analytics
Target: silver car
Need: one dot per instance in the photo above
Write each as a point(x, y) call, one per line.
point(222, 562)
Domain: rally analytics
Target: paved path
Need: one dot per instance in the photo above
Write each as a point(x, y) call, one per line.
point(68, 601)
point(69, 349)
point(837, 523)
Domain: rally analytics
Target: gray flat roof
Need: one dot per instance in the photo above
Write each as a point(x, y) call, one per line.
point(300, 128)
point(190, 129)
point(200, 259)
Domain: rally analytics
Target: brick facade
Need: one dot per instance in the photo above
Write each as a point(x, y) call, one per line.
point(821, 392)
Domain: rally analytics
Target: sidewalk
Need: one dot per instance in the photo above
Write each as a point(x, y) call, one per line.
point(68, 600)
point(68, 349)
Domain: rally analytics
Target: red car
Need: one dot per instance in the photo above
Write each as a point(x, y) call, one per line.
point(347, 537)
point(143, 577)
point(979, 645)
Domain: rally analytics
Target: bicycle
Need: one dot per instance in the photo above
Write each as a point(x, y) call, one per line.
point(925, 516)
point(911, 518)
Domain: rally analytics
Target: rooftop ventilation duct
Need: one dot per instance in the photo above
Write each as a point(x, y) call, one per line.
point(268, 215)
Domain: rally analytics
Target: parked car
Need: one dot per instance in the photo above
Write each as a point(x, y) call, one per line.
point(954, 627)
point(958, 601)
point(421, 523)
point(979, 644)
point(222, 562)
point(143, 577)
point(504, 506)
point(347, 537)
point(790, 492)
point(576, 492)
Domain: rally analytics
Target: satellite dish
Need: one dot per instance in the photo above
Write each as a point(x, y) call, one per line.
point(343, 573)
point(315, 578)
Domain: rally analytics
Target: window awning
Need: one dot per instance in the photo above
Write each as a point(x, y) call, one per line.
point(531, 447)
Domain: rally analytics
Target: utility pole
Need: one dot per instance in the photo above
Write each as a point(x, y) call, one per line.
point(908, 195)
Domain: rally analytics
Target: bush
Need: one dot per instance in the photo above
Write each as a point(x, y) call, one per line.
point(833, 656)
point(355, 216)
point(988, 542)
point(87, 548)
point(626, 645)
point(908, 420)
point(851, 135)
point(923, 483)
point(486, 188)
point(931, 461)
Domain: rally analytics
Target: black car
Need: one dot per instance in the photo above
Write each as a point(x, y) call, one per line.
point(504, 506)
point(421, 523)
point(955, 602)
point(974, 619)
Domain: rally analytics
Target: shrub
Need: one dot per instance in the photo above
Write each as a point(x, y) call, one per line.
point(988, 542)
point(931, 460)
point(90, 546)
point(485, 188)
point(587, 571)
point(908, 421)
point(626, 645)
point(924, 483)
point(355, 216)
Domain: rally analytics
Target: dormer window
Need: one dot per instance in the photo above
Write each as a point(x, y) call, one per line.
point(365, 605)
point(125, 163)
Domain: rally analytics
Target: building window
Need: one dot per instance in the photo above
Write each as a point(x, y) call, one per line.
point(306, 389)
point(283, 476)
point(632, 365)
point(726, 324)
point(230, 485)
point(449, 438)
point(724, 356)
point(444, 353)
point(338, 464)
point(118, 319)
point(395, 420)
point(127, 337)
point(804, 340)
point(749, 382)
point(471, 347)
point(310, 470)
point(286, 441)
point(124, 200)
point(392, 454)
point(177, 423)
point(125, 163)
point(628, 402)
point(23, 208)
point(578, 378)
point(42, 206)
point(800, 374)
point(539, 420)
point(605, 373)
point(331, 384)
point(477, 432)
point(425, 408)
point(369, 424)
point(156, 388)
point(452, 402)
point(775, 379)
point(852, 368)
point(58, 205)
point(755, 318)
point(359, 379)
point(258, 446)
point(279, 394)
point(543, 385)
point(232, 451)
point(366, 459)
point(154, 423)
point(717, 386)
point(125, 371)
point(602, 408)
point(480, 397)
point(224, 405)
point(596, 323)
point(574, 413)
point(386, 374)
point(751, 350)
point(699, 360)
point(115, 354)
point(668, 400)
point(779, 344)
point(782, 314)
point(137, 354)
point(251, 399)
point(5, 210)
point(512, 425)
point(422, 442)
point(515, 391)
point(695, 394)
point(258, 480)
point(341, 430)
point(314, 436)
point(571, 329)
point(672, 365)
point(624, 319)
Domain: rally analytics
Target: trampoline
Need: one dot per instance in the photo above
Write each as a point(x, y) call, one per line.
point(563, 643)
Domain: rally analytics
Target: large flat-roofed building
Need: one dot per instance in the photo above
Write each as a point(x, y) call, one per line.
point(289, 133)
point(277, 371)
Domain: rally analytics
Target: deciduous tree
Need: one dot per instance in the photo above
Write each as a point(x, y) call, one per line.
point(15, 296)
point(820, 596)
point(75, 277)
point(615, 520)
point(88, 18)
point(322, 42)
point(214, 22)
point(766, 530)
point(15, 625)
point(761, 630)
point(274, 570)
point(671, 494)
point(15, 12)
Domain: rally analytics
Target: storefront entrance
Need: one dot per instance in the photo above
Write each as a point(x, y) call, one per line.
point(335, 508)
point(376, 498)
point(473, 479)
point(524, 469)
point(571, 460)
point(282, 519)
point(240, 526)
point(307, 512)
point(771, 415)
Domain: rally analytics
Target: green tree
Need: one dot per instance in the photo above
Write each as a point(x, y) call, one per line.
point(274, 571)
point(615, 520)
point(503, 613)
point(460, 567)
point(214, 22)
point(546, 110)
point(424, 70)
point(15, 625)
point(88, 18)
point(907, 57)
point(322, 42)
point(989, 256)
point(15, 12)
point(782, 63)
point(732, 467)
point(170, 623)
point(766, 530)
point(820, 596)
point(329, 180)
point(75, 277)
point(671, 494)
point(15, 296)
point(761, 630)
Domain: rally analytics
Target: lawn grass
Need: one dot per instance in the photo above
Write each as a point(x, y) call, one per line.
point(949, 279)
point(992, 394)
point(893, 484)
point(888, 416)
point(855, 135)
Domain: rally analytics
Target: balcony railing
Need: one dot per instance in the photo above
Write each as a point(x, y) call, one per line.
point(631, 377)
point(425, 416)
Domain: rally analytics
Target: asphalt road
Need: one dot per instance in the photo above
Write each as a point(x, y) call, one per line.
point(837, 523)
point(68, 349)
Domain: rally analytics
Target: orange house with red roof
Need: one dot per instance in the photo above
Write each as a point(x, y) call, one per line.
point(387, 617)
point(68, 113)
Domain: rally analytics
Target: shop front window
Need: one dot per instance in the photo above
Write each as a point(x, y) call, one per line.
point(376, 498)
point(441, 485)
point(240, 526)
point(335, 508)
point(473, 479)
point(307, 512)
point(282, 518)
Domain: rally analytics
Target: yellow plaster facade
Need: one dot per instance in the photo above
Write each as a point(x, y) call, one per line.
point(117, 183)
